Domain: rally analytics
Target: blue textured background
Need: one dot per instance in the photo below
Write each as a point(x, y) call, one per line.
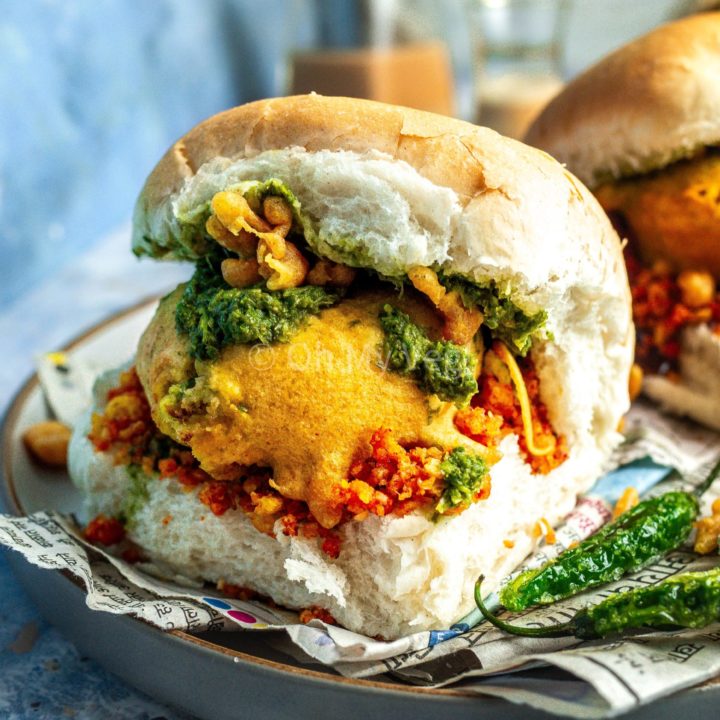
point(51, 680)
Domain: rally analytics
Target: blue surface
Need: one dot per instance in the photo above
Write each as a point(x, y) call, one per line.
point(43, 676)
point(93, 92)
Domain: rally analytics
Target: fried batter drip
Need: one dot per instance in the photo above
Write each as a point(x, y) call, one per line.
point(674, 213)
point(387, 478)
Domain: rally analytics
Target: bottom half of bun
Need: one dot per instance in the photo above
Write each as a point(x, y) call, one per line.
point(393, 576)
point(696, 392)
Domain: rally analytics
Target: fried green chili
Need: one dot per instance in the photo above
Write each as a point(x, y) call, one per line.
point(639, 537)
point(688, 600)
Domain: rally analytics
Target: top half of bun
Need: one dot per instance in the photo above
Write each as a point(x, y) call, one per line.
point(408, 187)
point(390, 188)
point(650, 103)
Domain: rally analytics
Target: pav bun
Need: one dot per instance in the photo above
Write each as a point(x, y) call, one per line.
point(650, 103)
point(642, 129)
point(388, 189)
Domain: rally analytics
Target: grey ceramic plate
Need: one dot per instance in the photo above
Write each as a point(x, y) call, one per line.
point(217, 676)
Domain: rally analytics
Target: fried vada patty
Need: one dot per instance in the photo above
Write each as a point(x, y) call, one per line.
point(642, 129)
point(303, 408)
point(672, 214)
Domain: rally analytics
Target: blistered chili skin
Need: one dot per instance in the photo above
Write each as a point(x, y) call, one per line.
point(637, 538)
point(690, 600)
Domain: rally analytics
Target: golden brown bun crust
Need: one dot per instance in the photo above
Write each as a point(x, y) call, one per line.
point(653, 101)
point(440, 148)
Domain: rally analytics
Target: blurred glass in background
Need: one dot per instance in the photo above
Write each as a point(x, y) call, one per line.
point(94, 91)
point(519, 61)
point(527, 49)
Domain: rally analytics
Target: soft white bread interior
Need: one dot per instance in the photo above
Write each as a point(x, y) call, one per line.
point(394, 575)
point(697, 392)
point(653, 101)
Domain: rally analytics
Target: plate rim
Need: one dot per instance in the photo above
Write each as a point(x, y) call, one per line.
point(10, 502)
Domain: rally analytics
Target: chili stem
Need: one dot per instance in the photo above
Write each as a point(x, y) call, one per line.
point(561, 630)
